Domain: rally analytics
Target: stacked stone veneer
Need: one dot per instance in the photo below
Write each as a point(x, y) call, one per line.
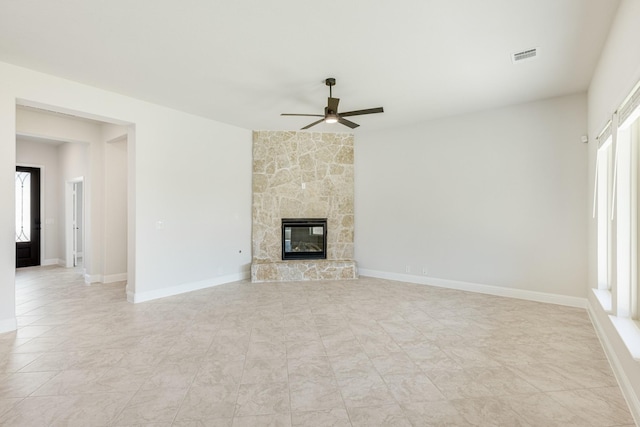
point(302, 175)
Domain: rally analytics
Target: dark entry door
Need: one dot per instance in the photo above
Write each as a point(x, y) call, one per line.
point(27, 216)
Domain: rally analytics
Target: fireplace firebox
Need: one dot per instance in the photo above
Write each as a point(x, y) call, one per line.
point(304, 238)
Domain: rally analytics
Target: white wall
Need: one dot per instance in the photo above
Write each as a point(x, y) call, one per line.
point(45, 156)
point(494, 198)
point(73, 158)
point(190, 173)
point(115, 205)
point(616, 74)
point(7, 214)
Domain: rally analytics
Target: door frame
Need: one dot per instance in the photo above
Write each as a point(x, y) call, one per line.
point(43, 224)
point(68, 220)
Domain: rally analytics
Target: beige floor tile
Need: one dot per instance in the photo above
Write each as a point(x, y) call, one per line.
point(336, 417)
point(439, 413)
point(22, 384)
point(412, 388)
point(73, 382)
point(394, 364)
point(275, 420)
point(79, 410)
point(458, 384)
point(213, 371)
point(365, 391)
point(545, 377)
point(13, 362)
point(261, 371)
point(267, 350)
point(214, 422)
point(597, 407)
point(263, 399)
point(488, 411)
point(172, 375)
point(314, 368)
point(312, 395)
point(383, 415)
point(209, 402)
point(500, 381)
point(352, 365)
point(152, 406)
point(542, 410)
point(7, 404)
point(304, 348)
point(300, 353)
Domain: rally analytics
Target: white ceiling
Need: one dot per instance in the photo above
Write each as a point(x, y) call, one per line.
point(244, 62)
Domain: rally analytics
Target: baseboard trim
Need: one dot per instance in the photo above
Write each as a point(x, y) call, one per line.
point(52, 261)
point(633, 400)
point(111, 278)
point(8, 325)
point(92, 278)
point(136, 297)
point(479, 288)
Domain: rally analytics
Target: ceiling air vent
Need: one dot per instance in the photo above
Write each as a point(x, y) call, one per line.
point(524, 55)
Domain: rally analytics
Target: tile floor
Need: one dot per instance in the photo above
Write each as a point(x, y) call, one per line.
point(357, 353)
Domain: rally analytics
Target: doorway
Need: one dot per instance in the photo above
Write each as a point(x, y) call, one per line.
point(75, 222)
point(78, 224)
point(28, 223)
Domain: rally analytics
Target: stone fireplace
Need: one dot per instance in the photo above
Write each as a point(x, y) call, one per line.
point(302, 176)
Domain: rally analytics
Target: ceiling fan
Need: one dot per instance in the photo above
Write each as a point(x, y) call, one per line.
point(331, 114)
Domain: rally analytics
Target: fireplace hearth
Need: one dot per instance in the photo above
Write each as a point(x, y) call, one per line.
point(304, 238)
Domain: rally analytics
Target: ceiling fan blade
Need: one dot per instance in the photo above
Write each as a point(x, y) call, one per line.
point(313, 124)
point(306, 115)
point(361, 112)
point(332, 104)
point(347, 123)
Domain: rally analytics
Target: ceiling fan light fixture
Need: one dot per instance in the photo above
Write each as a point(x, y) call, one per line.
point(331, 118)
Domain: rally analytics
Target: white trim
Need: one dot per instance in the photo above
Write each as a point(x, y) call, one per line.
point(52, 261)
point(626, 387)
point(111, 278)
point(136, 297)
point(92, 278)
point(8, 325)
point(479, 288)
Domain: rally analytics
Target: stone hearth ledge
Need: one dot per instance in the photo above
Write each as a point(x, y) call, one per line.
point(303, 270)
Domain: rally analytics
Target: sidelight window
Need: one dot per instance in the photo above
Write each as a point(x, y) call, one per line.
point(23, 206)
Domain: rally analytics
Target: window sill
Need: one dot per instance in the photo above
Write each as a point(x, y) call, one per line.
point(628, 329)
point(630, 333)
point(604, 297)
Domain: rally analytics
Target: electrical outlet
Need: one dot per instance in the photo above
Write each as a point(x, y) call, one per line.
point(407, 269)
point(425, 271)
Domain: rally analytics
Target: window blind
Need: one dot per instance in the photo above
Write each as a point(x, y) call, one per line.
point(605, 134)
point(629, 105)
